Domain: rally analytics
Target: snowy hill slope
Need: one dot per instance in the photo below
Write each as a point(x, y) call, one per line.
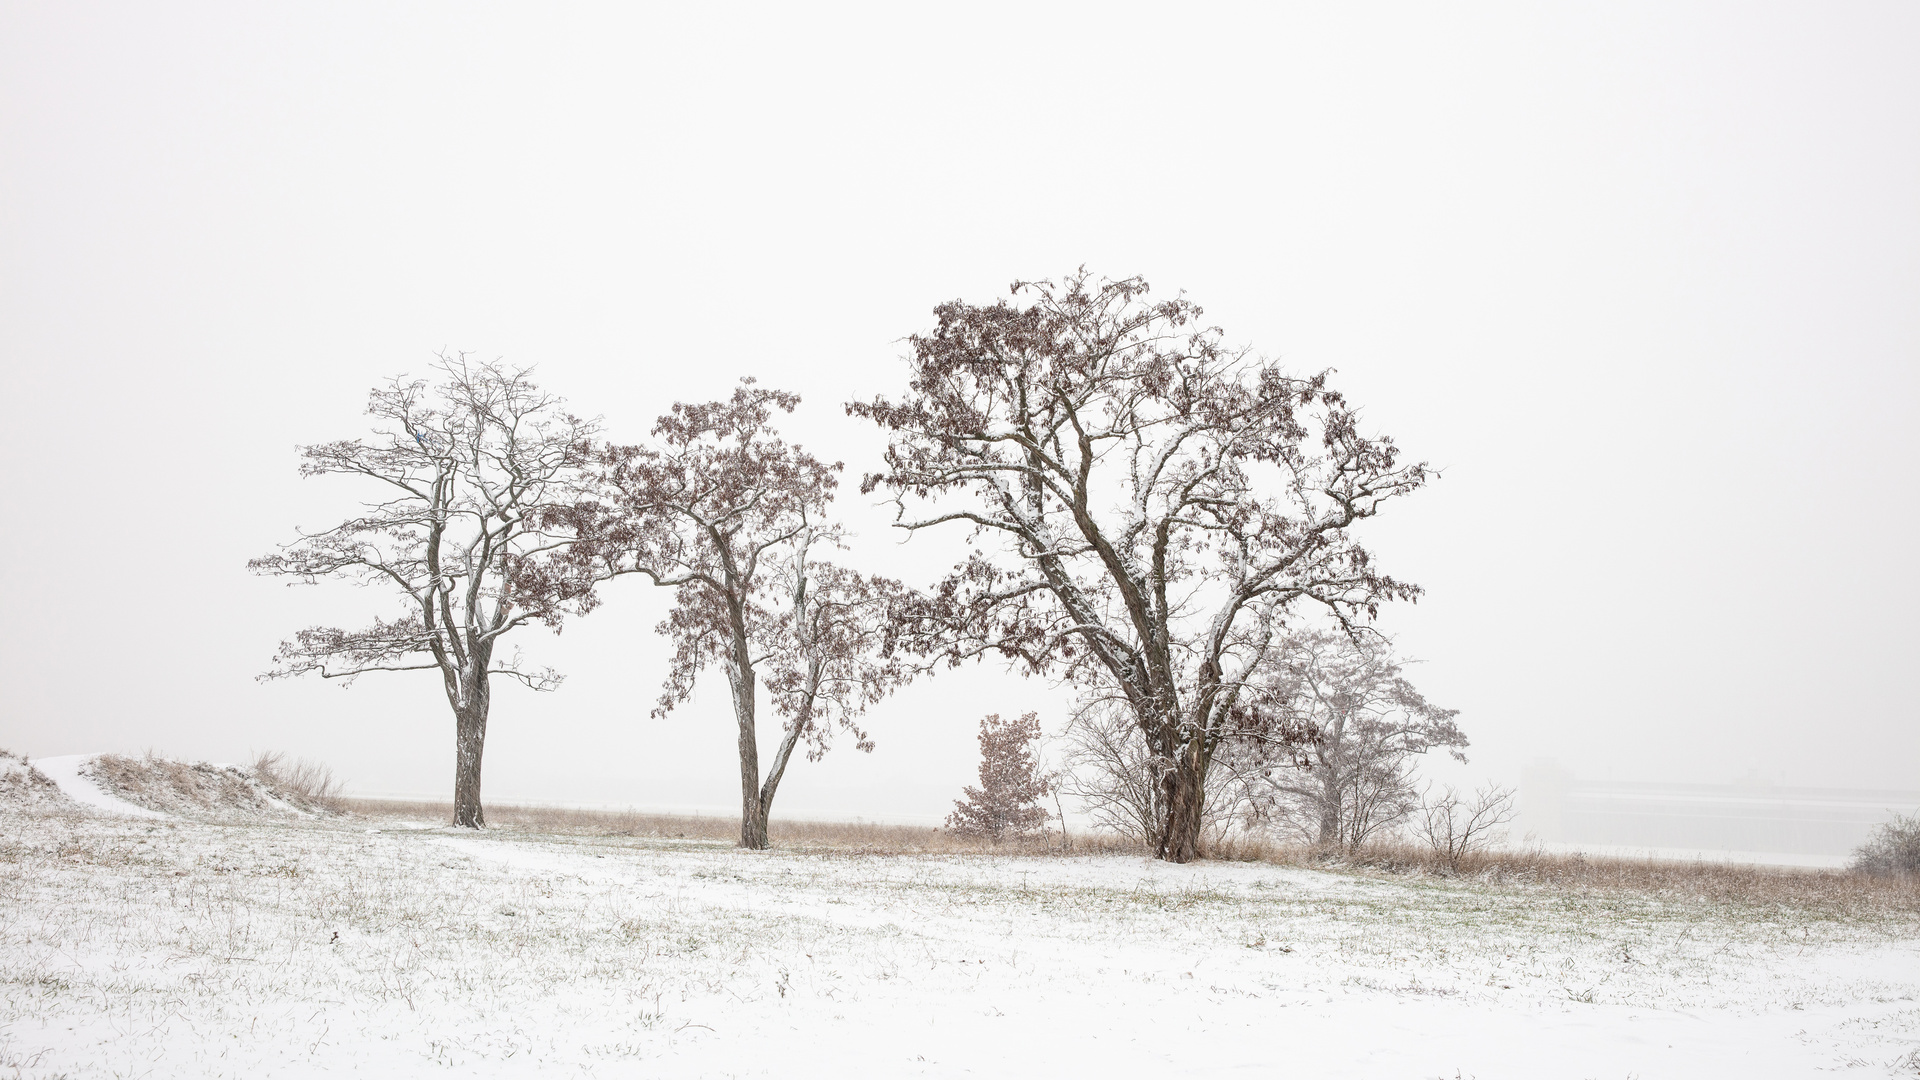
point(156, 788)
point(24, 785)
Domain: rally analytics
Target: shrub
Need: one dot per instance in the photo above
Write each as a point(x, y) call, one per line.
point(1894, 847)
point(1456, 826)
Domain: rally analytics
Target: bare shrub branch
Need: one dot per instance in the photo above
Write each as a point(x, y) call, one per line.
point(1455, 827)
point(1894, 847)
point(1118, 782)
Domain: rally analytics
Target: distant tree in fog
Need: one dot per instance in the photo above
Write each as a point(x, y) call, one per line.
point(732, 519)
point(1354, 776)
point(1150, 504)
point(1007, 802)
point(456, 534)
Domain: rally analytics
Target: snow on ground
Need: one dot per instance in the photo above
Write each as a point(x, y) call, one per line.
point(66, 772)
point(142, 948)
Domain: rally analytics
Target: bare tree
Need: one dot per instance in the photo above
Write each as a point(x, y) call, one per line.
point(466, 469)
point(1007, 802)
point(727, 515)
point(1455, 826)
point(1369, 722)
point(1158, 501)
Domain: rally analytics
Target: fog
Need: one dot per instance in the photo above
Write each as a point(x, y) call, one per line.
point(1641, 280)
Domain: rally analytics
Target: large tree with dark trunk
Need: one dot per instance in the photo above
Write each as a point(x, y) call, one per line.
point(464, 470)
point(1151, 506)
point(732, 518)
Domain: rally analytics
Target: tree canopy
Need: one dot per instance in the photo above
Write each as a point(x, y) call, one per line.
point(1150, 506)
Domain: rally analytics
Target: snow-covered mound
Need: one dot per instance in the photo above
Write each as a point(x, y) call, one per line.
point(79, 792)
point(23, 786)
point(154, 787)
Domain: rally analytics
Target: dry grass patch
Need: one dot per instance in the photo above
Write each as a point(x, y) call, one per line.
point(1837, 893)
point(556, 820)
point(865, 837)
point(199, 789)
point(24, 787)
point(299, 780)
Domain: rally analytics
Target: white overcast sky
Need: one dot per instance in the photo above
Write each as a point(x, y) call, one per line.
point(1644, 280)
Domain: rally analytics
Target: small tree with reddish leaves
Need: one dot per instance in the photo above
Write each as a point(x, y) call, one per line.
point(1007, 802)
point(730, 517)
point(466, 471)
point(1152, 509)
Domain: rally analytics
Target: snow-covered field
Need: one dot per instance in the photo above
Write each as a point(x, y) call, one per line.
point(159, 948)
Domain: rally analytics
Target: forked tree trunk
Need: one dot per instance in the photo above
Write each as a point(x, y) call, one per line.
point(778, 769)
point(1186, 787)
point(470, 738)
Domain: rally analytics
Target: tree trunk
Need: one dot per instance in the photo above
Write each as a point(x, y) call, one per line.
point(1329, 828)
point(1330, 807)
point(753, 812)
point(470, 738)
point(780, 759)
point(1186, 787)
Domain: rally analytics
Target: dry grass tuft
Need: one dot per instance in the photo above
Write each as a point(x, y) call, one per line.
point(298, 780)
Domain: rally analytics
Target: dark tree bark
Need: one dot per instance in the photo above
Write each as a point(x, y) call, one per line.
point(1186, 804)
point(756, 799)
point(470, 738)
point(460, 535)
point(1151, 506)
point(471, 701)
